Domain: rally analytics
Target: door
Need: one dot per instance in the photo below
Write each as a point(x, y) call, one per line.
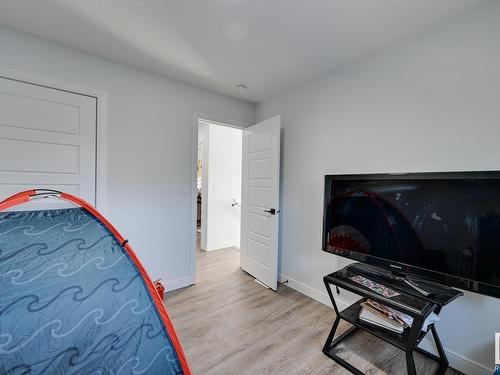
point(260, 201)
point(47, 140)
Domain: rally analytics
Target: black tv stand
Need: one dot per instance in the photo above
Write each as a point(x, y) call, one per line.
point(409, 301)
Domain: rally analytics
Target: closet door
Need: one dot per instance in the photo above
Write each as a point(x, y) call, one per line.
point(47, 140)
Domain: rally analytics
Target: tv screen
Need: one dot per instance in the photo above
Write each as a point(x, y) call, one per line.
point(441, 226)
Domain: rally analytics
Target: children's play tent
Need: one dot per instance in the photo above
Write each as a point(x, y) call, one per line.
point(74, 298)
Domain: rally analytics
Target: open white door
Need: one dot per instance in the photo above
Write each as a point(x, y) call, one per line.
point(260, 201)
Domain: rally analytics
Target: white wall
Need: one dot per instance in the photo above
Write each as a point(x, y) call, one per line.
point(151, 138)
point(221, 186)
point(429, 104)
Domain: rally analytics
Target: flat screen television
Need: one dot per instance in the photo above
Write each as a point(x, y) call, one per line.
point(444, 227)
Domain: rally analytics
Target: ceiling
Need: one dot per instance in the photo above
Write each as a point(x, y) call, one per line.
point(271, 45)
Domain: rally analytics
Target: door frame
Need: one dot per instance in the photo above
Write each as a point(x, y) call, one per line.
point(101, 97)
point(197, 116)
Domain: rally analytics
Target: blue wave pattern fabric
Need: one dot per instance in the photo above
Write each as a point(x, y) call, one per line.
point(73, 302)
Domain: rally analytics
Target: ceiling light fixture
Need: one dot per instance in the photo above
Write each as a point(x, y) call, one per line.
point(241, 87)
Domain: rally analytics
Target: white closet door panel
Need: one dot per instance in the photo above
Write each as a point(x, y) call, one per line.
point(8, 132)
point(8, 190)
point(43, 115)
point(47, 140)
point(7, 178)
point(38, 157)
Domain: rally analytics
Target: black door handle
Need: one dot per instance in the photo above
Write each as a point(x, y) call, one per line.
point(272, 211)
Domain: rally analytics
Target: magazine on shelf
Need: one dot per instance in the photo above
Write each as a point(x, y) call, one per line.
point(373, 318)
point(386, 317)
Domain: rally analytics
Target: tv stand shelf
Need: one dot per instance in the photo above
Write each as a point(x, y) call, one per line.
point(409, 301)
point(351, 315)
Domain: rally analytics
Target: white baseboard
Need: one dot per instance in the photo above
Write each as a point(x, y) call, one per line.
point(311, 292)
point(177, 284)
point(457, 361)
point(220, 245)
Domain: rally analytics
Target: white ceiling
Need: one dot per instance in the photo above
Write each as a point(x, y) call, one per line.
point(272, 45)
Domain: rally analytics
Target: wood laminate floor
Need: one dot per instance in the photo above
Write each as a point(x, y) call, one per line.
point(229, 324)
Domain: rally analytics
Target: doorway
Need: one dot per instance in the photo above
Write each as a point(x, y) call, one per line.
point(236, 175)
point(218, 186)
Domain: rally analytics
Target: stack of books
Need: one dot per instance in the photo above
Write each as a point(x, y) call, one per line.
point(383, 316)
